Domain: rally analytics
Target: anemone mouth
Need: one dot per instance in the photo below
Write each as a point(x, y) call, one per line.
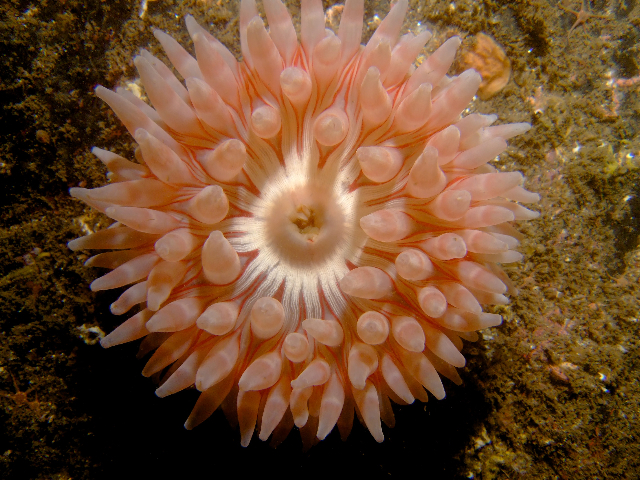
point(306, 224)
point(303, 230)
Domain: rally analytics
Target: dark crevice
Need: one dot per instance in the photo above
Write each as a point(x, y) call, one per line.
point(627, 231)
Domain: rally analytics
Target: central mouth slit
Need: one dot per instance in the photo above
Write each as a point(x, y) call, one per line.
point(305, 224)
point(309, 222)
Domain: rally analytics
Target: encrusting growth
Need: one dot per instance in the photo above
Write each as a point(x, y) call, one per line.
point(310, 232)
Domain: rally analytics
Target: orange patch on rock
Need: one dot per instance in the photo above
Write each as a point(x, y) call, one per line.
point(490, 61)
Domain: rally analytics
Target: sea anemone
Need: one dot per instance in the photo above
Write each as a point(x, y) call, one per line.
point(313, 230)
